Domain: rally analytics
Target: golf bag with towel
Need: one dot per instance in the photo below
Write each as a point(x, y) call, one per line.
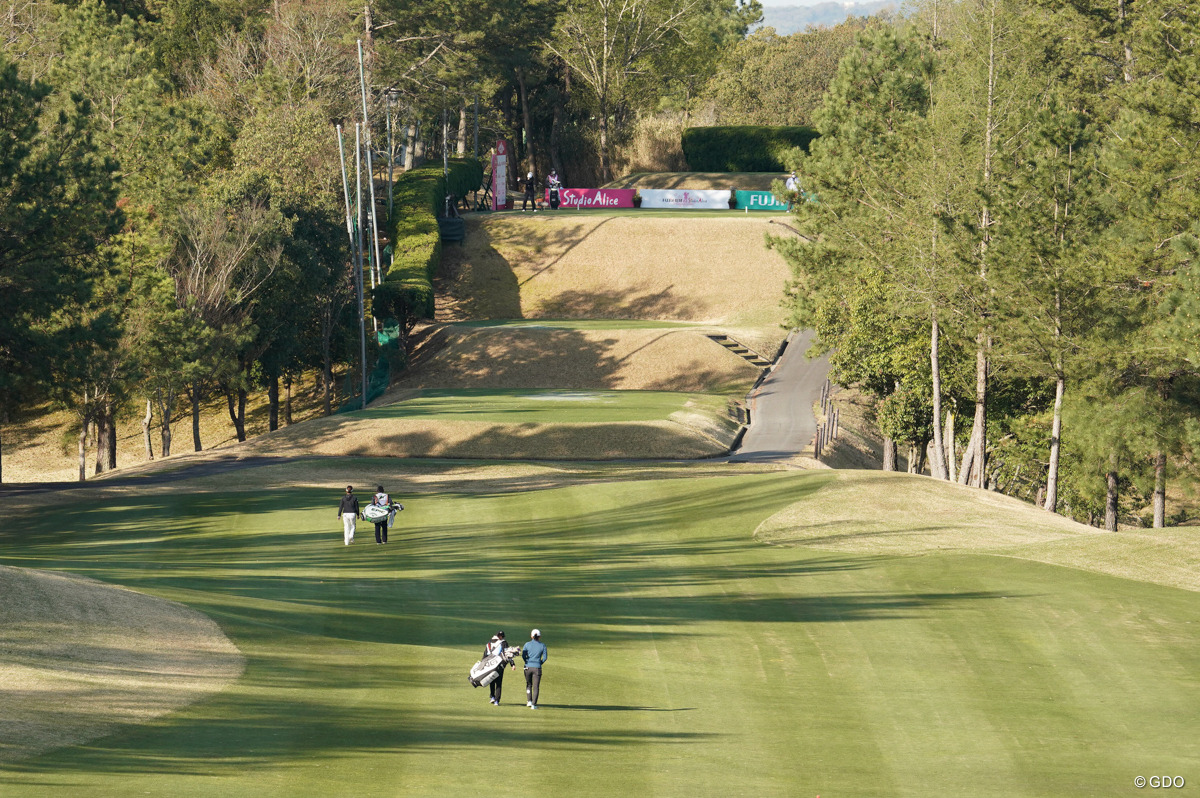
point(487, 669)
point(378, 513)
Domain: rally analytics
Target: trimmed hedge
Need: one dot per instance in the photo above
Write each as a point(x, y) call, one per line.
point(406, 293)
point(743, 148)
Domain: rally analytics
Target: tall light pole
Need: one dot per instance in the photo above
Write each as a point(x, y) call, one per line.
point(358, 250)
point(357, 262)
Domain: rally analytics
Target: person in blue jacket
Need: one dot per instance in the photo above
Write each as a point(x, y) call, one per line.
point(534, 654)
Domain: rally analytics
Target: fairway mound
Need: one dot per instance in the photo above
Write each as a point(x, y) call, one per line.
point(747, 181)
point(79, 658)
point(886, 513)
point(570, 265)
point(536, 356)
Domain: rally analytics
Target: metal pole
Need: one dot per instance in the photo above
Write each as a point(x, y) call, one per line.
point(445, 144)
point(376, 272)
point(391, 153)
point(358, 260)
point(345, 186)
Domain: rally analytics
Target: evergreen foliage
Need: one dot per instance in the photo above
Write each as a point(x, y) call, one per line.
point(744, 148)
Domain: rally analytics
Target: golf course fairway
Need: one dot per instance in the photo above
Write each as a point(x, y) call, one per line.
point(685, 657)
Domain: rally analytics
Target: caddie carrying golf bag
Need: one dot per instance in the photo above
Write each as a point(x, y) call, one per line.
point(487, 669)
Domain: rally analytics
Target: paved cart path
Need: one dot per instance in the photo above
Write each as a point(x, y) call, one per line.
point(782, 423)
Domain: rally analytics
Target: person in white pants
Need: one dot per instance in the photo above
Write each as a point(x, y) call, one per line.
point(348, 512)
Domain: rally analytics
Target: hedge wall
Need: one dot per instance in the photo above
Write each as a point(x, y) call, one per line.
point(744, 148)
point(406, 293)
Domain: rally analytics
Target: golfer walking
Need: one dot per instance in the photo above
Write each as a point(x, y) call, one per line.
point(495, 648)
point(348, 512)
point(534, 654)
point(382, 499)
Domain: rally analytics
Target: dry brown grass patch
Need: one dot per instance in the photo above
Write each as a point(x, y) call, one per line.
point(508, 357)
point(41, 445)
point(79, 658)
point(710, 270)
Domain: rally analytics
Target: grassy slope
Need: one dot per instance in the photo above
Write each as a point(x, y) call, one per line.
point(682, 652)
point(713, 270)
point(41, 445)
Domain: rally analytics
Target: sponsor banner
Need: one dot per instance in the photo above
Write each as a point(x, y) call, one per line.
point(759, 201)
point(500, 175)
point(684, 198)
point(594, 197)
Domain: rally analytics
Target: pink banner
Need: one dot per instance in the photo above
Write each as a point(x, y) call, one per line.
point(594, 197)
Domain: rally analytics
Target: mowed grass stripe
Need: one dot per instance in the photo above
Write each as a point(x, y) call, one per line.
point(683, 654)
point(538, 406)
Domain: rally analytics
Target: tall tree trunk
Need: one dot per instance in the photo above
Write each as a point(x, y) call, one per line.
point(410, 145)
point(1126, 47)
point(196, 416)
point(605, 163)
point(1055, 445)
point(978, 473)
point(166, 406)
point(1110, 502)
point(526, 121)
point(327, 381)
point(889, 454)
point(110, 413)
point(1160, 490)
point(235, 399)
point(101, 440)
point(939, 451)
point(461, 148)
point(968, 459)
point(948, 442)
point(418, 147)
point(273, 403)
point(84, 425)
point(287, 402)
point(979, 425)
point(146, 419)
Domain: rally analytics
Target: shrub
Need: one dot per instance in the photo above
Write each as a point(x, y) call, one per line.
point(406, 293)
point(744, 148)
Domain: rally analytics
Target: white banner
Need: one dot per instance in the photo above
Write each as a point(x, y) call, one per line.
point(684, 198)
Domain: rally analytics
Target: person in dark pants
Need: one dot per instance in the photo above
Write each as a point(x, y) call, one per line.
point(534, 654)
point(382, 499)
point(496, 647)
point(348, 512)
point(530, 193)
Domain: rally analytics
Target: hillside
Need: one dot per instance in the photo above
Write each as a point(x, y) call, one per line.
point(712, 269)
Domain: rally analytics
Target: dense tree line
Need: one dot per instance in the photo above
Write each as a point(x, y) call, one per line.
point(172, 227)
point(1003, 233)
point(173, 215)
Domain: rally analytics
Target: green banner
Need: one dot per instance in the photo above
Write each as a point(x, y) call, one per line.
point(759, 201)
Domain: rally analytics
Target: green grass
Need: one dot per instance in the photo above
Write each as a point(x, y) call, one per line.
point(685, 658)
point(540, 407)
